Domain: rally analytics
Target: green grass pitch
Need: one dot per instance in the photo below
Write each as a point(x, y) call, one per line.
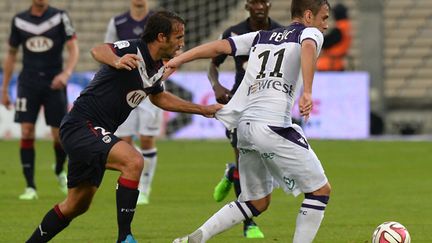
point(372, 181)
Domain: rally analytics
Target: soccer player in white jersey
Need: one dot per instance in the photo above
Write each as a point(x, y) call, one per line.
point(273, 150)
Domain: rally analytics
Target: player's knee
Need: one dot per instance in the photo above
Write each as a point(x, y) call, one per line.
point(73, 208)
point(261, 204)
point(27, 133)
point(323, 191)
point(136, 163)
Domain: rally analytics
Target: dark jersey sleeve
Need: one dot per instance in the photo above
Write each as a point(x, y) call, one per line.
point(123, 47)
point(14, 38)
point(221, 58)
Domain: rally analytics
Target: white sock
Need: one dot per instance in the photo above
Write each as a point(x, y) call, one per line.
point(228, 216)
point(150, 161)
point(309, 218)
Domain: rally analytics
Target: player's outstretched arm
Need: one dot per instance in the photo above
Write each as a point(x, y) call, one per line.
point(167, 101)
point(211, 49)
point(104, 54)
point(308, 62)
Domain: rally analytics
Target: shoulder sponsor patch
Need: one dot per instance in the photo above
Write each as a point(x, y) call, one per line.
point(121, 44)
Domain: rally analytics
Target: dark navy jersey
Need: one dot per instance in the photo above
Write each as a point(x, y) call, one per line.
point(112, 94)
point(124, 27)
point(42, 39)
point(240, 61)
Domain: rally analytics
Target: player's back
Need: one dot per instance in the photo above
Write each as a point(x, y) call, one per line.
point(272, 75)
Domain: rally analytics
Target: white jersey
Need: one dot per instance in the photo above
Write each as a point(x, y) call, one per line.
point(267, 92)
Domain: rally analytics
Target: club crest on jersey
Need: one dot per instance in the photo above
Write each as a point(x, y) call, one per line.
point(135, 97)
point(39, 44)
point(121, 44)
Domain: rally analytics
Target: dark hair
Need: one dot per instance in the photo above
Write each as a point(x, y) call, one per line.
point(340, 11)
point(160, 22)
point(299, 6)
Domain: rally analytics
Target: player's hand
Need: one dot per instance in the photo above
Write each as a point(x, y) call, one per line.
point(210, 110)
point(305, 105)
point(167, 73)
point(128, 62)
point(60, 81)
point(173, 63)
point(5, 99)
point(222, 94)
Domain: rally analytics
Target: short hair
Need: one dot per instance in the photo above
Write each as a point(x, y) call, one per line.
point(160, 22)
point(299, 6)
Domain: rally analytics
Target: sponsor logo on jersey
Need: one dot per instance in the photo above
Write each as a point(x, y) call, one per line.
point(106, 139)
point(135, 97)
point(39, 44)
point(121, 44)
point(271, 84)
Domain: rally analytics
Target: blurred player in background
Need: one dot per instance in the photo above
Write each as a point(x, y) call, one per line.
point(146, 119)
point(42, 31)
point(258, 20)
point(272, 148)
point(131, 71)
point(337, 42)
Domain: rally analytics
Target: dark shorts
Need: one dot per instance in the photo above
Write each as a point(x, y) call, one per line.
point(232, 136)
point(33, 91)
point(87, 146)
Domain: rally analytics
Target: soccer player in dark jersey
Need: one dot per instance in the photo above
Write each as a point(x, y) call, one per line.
point(131, 71)
point(42, 31)
point(146, 120)
point(258, 20)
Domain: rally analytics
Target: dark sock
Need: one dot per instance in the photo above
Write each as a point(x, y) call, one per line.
point(237, 190)
point(236, 181)
point(60, 156)
point(27, 153)
point(51, 224)
point(126, 197)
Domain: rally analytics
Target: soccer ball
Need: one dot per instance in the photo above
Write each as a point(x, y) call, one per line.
point(391, 232)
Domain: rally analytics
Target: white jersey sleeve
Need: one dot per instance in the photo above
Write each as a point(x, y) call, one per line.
point(241, 44)
point(315, 35)
point(111, 33)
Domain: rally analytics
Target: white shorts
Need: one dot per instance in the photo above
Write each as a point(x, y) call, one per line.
point(271, 156)
point(145, 120)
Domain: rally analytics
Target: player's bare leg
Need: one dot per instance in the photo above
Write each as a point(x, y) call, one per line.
point(231, 176)
point(77, 202)
point(126, 159)
point(228, 216)
point(60, 159)
point(27, 156)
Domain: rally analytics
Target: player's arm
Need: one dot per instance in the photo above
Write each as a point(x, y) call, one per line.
point(60, 81)
point(105, 54)
point(308, 62)
point(211, 49)
point(167, 101)
point(8, 67)
point(222, 94)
